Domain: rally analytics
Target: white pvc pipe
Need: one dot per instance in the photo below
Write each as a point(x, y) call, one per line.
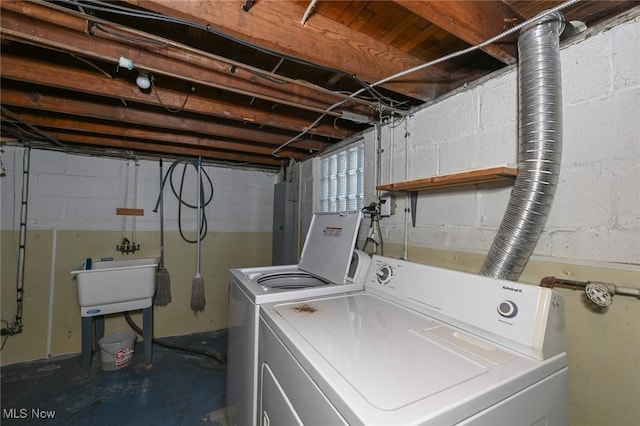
point(135, 199)
point(392, 149)
point(407, 198)
point(126, 198)
point(52, 284)
point(628, 291)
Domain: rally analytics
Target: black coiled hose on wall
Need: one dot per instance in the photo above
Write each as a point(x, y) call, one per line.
point(178, 192)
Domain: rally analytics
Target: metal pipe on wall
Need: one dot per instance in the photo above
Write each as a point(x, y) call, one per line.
point(16, 326)
point(600, 293)
point(539, 148)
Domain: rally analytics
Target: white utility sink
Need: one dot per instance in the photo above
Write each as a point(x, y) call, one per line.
point(116, 285)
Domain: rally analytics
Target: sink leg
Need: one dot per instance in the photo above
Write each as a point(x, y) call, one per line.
point(147, 333)
point(99, 321)
point(87, 344)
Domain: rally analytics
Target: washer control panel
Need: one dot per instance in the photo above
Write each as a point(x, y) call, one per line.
point(516, 312)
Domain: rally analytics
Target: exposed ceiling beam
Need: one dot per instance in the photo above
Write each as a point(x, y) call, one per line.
point(134, 145)
point(144, 118)
point(93, 129)
point(276, 25)
point(69, 78)
point(49, 27)
point(471, 21)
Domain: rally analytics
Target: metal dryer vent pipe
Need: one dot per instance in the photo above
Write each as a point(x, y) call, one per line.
point(539, 148)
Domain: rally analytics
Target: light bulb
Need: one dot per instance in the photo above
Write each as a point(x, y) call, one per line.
point(143, 81)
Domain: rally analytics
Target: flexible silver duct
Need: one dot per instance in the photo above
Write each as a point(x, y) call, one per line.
point(539, 149)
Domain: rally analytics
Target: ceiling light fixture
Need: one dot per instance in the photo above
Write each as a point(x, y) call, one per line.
point(144, 80)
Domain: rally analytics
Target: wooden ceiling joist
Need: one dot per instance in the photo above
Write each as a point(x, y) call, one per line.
point(111, 130)
point(276, 25)
point(471, 21)
point(47, 27)
point(68, 78)
point(145, 118)
point(147, 147)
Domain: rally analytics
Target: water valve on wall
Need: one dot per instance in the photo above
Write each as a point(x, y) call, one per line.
point(600, 293)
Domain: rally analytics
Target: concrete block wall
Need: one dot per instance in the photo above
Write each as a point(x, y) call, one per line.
point(82, 192)
point(72, 216)
point(594, 216)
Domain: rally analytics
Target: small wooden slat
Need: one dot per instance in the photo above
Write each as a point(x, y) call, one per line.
point(471, 177)
point(121, 211)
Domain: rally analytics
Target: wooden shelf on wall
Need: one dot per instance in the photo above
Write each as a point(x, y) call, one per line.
point(123, 211)
point(470, 177)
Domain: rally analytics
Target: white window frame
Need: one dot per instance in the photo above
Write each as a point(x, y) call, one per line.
point(342, 179)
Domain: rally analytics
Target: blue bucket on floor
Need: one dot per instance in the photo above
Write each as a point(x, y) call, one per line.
point(116, 350)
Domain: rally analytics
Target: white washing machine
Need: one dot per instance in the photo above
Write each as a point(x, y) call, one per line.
point(418, 346)
point(328, 265)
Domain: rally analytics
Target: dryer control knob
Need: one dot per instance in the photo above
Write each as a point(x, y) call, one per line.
point(507, 309)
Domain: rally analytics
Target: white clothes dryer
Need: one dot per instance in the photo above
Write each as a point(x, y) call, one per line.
point(328, 265)
point(418, 346)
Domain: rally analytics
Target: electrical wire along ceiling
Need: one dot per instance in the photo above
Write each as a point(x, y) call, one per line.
point(251, 83)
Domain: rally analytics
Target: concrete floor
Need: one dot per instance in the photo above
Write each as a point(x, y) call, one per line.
point(179, 388)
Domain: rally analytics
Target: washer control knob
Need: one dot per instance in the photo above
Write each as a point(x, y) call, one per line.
point(384, 274)
point(507, 309)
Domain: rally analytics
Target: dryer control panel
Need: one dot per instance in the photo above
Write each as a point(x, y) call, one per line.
point(526, 318)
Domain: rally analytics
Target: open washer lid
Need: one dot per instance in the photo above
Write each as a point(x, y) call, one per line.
point(329, 245)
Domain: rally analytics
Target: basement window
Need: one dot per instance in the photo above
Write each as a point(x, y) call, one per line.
point(342, 180)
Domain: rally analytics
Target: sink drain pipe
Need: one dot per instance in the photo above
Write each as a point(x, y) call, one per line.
point(539, 148)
